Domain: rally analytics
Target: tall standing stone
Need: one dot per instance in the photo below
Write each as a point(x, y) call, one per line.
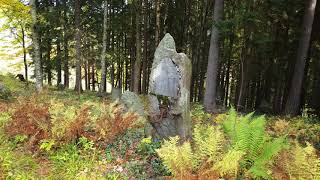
point(169, 91)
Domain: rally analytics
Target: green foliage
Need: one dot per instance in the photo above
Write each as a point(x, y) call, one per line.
point(69, 161)
point(13, 85)
point(198, 114)
point(86, 144)
point(4, 118)
point(20, 139)
point(47, 144)
point(15, 164)
point(247, 134)
point(5, 94)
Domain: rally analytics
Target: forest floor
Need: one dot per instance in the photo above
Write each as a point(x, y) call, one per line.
point(61, 135)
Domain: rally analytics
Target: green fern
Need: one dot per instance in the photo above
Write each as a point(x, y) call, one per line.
point(265, 158)
point(247, 134)
point(208, 153)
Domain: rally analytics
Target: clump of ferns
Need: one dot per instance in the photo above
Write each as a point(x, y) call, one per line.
point(248, 135)
point(242, 148)
point(206, 157)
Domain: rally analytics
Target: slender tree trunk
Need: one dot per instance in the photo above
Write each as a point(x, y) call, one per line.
point(145, 49)
point(59, 74)
point(89, 76)
point(213, 59)
point(157, 28)
point(137, 63)
point(49, 67)
point(86, 74)
point(293, 102)
point(36, 45)
point(24, 55)
point(102, 89)
point(93, 78)
point(78, 86)
point(65, 48)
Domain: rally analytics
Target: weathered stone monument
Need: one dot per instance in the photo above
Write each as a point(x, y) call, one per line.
point(169, 95)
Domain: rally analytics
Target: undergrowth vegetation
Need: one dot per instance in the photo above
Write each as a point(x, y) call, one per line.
point(239, 148)
point(61, 135)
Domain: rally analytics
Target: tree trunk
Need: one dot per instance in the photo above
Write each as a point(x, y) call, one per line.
point(24, 55)
point(93, 78)
point(213, 59)
point(294, 98)
point(36, 45)
point(78, 86)
point(65, 48)
point(49, 67)
point(86, 74)
point(58, 63)
point(145, 49)
point(137, 63)
point(157, 28)
point(102, 89)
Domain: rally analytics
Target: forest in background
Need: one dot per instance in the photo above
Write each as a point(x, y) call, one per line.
point(161, 120)
point(258, 47)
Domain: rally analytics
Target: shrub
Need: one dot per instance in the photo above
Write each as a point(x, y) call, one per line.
point(5, 94)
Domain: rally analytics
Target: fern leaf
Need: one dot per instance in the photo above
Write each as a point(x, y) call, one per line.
point(229, 165)
point(208, 143)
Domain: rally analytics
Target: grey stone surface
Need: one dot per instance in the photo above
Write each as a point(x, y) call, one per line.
point(116, 94)
point(132, 102)
point(170, 77)
point(165, 79)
